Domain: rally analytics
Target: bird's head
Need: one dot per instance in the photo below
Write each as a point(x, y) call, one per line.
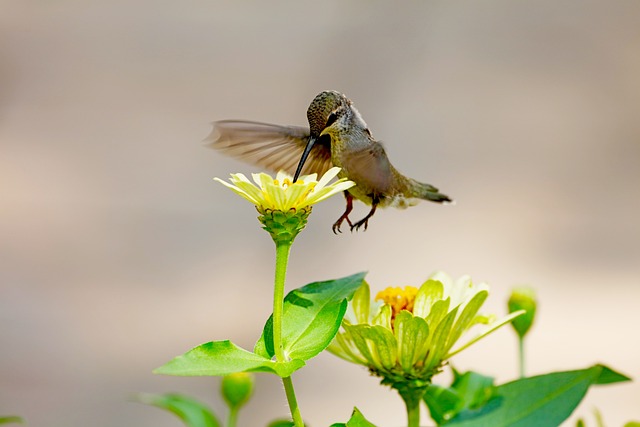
point(325, 108)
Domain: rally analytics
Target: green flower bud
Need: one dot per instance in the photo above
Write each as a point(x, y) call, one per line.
point(522, 298)
point(237, 388)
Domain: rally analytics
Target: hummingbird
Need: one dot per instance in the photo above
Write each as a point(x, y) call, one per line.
point(337, 136)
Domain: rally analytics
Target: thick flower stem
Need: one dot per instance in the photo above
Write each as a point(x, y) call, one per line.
point(413, 413)
point(412, 398)
point(282, 259)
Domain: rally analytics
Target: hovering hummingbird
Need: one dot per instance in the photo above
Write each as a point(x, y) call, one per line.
point(337, 136)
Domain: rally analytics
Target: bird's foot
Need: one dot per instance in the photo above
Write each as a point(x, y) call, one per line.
point(338, 223)
point(362, 223)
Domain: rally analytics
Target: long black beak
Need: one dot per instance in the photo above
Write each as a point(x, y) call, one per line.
point(307, 150)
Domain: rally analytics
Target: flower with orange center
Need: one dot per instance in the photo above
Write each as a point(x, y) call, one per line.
point(414, 332)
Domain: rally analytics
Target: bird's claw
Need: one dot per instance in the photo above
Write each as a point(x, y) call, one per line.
point(338, 223)
point(357, 225)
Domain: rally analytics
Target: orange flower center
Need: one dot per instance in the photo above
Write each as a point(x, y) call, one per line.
point(398, 298)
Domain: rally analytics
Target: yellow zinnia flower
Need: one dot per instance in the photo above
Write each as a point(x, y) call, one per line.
point(284, 205)
point(413, 334)
point(282, 194)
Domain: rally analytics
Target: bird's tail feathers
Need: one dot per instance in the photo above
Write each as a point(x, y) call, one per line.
point(429, 192)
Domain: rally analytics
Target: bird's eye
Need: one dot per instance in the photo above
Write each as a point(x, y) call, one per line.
point(332, 118)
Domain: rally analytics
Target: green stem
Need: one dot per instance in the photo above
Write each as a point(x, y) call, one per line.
point(413, 412)
point(293, 403)
point(282, 259)
point(233, 416)
point(412, 397)
point(521, 355)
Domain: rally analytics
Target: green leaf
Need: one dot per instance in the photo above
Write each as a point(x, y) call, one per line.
point(474, 389)
point(468, 391)
point(189, 410)
point(311, 318)
point(544, 400)
point(281, 423)
point(443, 403)
point(11, 420)
point(356, 420)
point(223, 358)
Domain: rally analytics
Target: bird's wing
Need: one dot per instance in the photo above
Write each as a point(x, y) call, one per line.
point(274, 147)
point(370, 168)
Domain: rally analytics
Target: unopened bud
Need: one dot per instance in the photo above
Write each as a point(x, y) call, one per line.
point(523, 298)
point(237, 388)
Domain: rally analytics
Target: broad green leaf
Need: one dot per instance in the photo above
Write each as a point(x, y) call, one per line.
point(189, 410)
point(11, 420)
point(443, 403)
point(311, 318)
point(632, 424)
point(474, 389)
point(219, 358)
point(544, 400)
point(468, 391)
point(356, 420)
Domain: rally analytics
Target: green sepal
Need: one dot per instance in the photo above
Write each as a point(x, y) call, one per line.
point(356, 420)
point(537, 401)
point(219, 358)
point(311, 318)
point(192, 412)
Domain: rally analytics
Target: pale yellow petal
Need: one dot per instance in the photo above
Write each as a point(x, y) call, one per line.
point(328, 176)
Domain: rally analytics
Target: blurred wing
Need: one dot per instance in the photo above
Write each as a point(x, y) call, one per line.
point(370, 168)
point(271, 146)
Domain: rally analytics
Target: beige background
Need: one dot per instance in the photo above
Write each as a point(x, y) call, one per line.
point(118, 251)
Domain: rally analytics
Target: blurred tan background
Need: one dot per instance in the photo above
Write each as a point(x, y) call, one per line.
point(119, 252)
